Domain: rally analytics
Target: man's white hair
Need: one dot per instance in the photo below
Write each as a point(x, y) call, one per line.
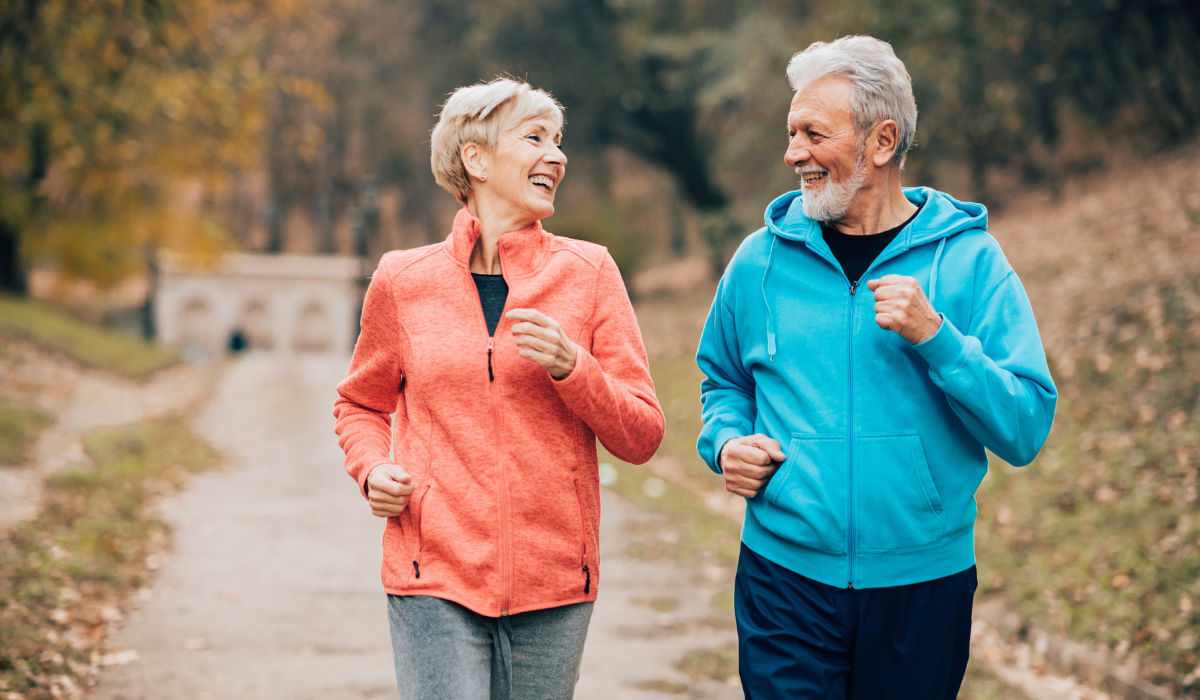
point(881, 85)
point(479, 114)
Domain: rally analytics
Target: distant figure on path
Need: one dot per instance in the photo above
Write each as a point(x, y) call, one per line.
point(504, 352)
point(862, 351)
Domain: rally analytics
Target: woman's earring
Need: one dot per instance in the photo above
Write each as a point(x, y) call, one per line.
point(483, 176)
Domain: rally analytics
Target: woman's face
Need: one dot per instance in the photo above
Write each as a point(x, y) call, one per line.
point(527, 167)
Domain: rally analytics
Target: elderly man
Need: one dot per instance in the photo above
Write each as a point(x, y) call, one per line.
point(863, 350)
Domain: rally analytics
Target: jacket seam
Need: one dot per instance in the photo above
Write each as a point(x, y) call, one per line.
point(587, 321)
point(988, 294)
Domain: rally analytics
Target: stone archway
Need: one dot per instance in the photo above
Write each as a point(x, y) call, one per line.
point(255, 325)
point(312, 329)
point(196, 327)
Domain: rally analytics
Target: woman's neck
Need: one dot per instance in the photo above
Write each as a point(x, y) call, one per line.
point(493, 223)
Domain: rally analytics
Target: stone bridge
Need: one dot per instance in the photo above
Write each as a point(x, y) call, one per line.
point(281, 303)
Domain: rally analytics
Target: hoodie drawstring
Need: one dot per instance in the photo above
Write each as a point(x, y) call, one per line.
point(933, 273)
point(767, 303)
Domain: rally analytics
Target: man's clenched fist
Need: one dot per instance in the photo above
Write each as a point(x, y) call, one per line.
point(748, 463)
point(389, 488)
point(901, 306)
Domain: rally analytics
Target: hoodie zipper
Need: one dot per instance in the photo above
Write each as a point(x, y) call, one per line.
point(850, 431)
point(852, 549)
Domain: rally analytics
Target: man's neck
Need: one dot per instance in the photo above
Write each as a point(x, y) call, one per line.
point(877, 207)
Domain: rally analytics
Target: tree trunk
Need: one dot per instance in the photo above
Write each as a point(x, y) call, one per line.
point(12, 272)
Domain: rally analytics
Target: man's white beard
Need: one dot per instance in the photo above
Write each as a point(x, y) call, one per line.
point(831, 202)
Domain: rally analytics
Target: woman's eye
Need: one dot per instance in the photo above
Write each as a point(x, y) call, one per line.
point(535, 137)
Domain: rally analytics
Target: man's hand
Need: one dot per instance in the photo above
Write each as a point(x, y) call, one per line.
point(901, 306)
point(539, 338)
point(748, 463)
point(389, 488)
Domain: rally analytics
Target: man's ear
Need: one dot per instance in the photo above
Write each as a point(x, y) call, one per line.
point(475, 160)
point(882, 144)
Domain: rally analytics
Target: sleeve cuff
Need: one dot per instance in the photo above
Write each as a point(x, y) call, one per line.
point(572, 386)
point(944, 350)
point(724, 435)
point(366, 473)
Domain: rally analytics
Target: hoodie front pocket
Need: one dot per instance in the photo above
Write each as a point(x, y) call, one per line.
point(805, 501)
point(899, 506)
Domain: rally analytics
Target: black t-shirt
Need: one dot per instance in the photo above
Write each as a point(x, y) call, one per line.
point(493, 293)
point(856, 253)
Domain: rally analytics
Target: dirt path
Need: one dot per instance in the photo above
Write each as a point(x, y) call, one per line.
point(273, 589)
point(80, 399)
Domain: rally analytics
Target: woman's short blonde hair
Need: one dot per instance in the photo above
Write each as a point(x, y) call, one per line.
point(479, 114)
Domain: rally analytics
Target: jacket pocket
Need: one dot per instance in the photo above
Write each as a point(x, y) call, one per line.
point(805, 501)
point(899, 506)
point(420, 517)
point(584, 533)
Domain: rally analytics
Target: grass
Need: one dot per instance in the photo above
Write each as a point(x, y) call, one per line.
point(58, 332)
point(19, 427)
point(1100, 537)
point(66, 574)
point(981, 685)
point(713, 664)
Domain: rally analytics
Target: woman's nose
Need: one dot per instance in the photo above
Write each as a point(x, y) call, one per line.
point(555, 156)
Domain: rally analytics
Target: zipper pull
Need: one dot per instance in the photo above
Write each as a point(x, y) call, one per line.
point(491, 344)
point(417, 569)
point(853, 287)
point(850, 585)
point(587, 584)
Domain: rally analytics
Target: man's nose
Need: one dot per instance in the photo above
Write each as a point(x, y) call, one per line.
point(797, 153)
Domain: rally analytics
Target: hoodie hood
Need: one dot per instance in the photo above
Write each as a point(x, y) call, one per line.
point(940, 217)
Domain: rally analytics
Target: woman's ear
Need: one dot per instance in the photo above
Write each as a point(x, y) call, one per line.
point(475, 161)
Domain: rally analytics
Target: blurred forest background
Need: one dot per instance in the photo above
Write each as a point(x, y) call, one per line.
point(131, 126)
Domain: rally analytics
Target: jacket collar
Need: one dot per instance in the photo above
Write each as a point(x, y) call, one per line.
point(521, 252)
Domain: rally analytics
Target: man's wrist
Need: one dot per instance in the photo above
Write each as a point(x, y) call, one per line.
point(724, 437)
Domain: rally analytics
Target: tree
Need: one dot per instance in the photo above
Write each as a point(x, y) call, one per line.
point(119, 121)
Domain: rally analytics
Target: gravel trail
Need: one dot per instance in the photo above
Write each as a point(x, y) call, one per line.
point(273, 587)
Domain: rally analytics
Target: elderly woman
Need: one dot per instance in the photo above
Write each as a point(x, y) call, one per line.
point(504, 352)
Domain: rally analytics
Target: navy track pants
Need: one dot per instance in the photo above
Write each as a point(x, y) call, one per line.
point(801, 640)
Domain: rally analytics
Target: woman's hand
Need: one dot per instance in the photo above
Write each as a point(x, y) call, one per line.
point(389, 488)
point(541, 339)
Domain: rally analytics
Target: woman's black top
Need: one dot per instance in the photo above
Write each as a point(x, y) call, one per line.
point(493, 293)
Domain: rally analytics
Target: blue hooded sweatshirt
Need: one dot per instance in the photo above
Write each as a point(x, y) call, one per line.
point(884, 440)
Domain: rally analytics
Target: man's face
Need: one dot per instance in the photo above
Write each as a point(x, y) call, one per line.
point(824, 149)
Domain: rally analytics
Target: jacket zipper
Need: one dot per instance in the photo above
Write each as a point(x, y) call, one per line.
point(491, 345)
point(583, 538)
point(420, 532)
point(502, 481)
point(502, 495)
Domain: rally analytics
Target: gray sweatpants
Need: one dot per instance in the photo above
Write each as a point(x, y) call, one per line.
point(444, 651)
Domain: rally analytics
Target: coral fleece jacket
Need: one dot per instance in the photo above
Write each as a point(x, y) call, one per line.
point(505, 513)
